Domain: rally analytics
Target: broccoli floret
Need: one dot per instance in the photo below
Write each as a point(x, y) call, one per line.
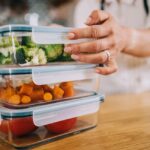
point(8, 42)
point(20, 55)
point(35, 56)
point(66, 57)
point(27, 41)
point(5, 60)
point(53, 52)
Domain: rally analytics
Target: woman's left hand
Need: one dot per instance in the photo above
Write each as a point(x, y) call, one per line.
point(110, 39)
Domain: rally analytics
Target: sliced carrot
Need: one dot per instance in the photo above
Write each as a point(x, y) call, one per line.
point(37, 94)
point(48, 97)
point(68, 89)
point(25, 99)
point(15, 99)
point(8, 92)
point(69, 92)
point(68, 84)
point(26, 89)
point(58, 92)
point(47, 88)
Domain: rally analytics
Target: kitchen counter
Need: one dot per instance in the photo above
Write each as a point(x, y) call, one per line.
point(124, 124)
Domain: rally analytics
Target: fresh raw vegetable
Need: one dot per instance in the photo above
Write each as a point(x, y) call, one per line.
point(15, 99)
point(18, 126)
point(27, 41)
point(58, 92)
point(20, 55)
point(27, 93)
point(68, 89)
point(25, 99)
point(62, 126)
point(48, 97)
point(23, 51)
point(53, 52)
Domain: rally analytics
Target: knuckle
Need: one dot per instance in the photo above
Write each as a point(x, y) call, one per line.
point(76, 49)
point(94, 31)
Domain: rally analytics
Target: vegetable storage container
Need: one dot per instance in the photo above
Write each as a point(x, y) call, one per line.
point(25, 45)
point(30, 86)
point(27, 127)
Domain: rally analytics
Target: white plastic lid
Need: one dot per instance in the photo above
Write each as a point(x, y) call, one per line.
point(53, 35)
point(46, 114)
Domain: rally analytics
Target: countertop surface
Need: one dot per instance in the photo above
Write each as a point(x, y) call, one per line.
point(124, 124)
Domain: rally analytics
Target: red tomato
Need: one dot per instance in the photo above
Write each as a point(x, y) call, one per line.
point(18, 126)
point(62, 126)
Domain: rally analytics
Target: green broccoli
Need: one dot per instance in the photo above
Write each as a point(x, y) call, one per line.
point(53, 52)
point(8, 42)
point(20, 55)
point(5, 60)
point(27, 41)
point(66, 57)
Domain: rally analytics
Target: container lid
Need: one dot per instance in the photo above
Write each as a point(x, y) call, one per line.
point(44, 34)
point(50, 113)
point(54, 73)
point(15, 28)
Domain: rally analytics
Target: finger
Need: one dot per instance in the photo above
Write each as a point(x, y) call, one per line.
point(97, 17)
point(90, 47)
point(98, 58)
point(110, 68)
point(95, 31)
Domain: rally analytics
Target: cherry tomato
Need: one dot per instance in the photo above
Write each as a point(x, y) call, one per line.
point(62, 126)
point(18, 126)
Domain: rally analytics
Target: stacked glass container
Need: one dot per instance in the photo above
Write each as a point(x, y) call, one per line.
point(44, 94)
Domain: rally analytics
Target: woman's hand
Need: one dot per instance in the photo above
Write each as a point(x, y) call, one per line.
point(109, 38)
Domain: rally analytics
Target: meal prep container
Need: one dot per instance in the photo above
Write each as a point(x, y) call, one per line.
point(30, 86)
point(44, 95)
point(31, 126)
point(26, 45)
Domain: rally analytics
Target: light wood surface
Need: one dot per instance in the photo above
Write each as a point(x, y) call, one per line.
point(124, 124)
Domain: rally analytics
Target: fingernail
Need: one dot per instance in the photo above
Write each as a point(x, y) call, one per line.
point(67, 49)
point(71, 35)
point(75, 57)
point(88, 21)
point(98, 71)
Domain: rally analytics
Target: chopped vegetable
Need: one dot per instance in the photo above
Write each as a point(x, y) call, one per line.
point(8, 92)
point(37, 94)
point(58, 92)
point(25, 99)
point(68, 89)
point(66, 57)
point(46, 88)
point(5, 60)
point(53, 52)
point(26, 89)
point(20, 55)
point(27, 41)
point(15, 99)
point(47, 97)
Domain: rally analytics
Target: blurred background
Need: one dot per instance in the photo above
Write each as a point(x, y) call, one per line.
point(37, 12)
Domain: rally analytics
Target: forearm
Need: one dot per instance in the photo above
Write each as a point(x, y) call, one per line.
point(137, 42)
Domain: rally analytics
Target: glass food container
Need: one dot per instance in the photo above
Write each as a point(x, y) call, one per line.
point(46, 102)
point(30, 86)
point(28, 127)
point(25, 45)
